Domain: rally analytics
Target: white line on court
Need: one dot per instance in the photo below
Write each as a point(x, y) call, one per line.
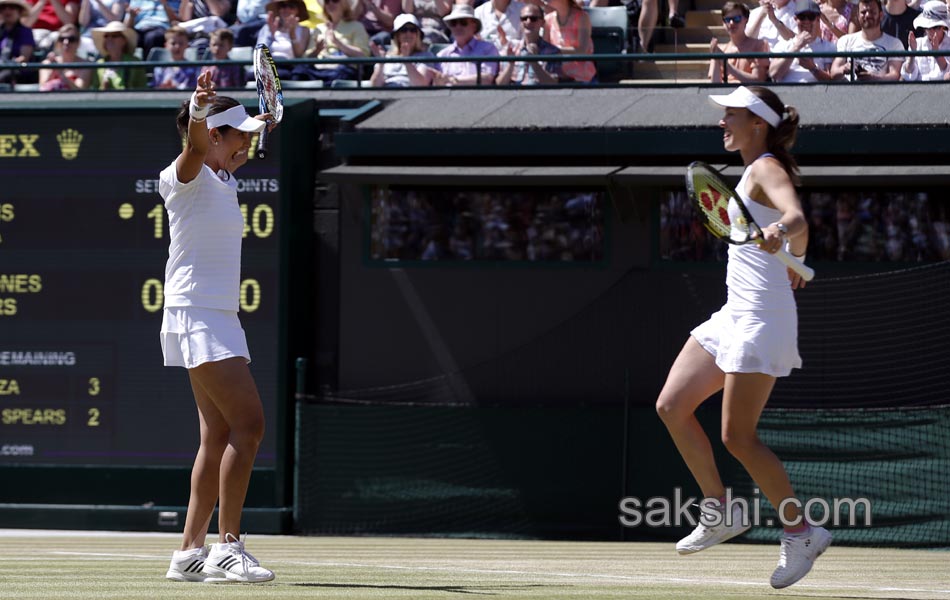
point(643, 579)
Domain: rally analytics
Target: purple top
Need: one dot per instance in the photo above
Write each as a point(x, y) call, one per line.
point(473, 48)
point(231, 76)
point(12, 41)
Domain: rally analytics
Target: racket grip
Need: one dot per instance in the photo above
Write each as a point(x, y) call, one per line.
point(796, 265)
point(262, 142)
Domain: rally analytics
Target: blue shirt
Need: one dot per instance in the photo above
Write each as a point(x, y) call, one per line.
point(152, 14)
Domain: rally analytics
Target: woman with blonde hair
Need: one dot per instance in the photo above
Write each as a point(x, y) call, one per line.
point(340, 36)
point(65, 50)
point(568, 27)
point(407, 42)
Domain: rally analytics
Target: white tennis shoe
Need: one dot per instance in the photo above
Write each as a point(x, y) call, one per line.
point(231, 562)
point(798, 554)
point(187, 565)
point(705, 536)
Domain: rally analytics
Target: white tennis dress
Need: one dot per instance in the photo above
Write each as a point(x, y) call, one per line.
point(202, 276)
point(757, 330)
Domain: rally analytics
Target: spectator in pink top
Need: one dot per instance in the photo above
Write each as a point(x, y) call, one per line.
point(567, 26)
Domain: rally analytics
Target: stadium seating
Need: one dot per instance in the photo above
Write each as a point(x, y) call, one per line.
point(609, 35)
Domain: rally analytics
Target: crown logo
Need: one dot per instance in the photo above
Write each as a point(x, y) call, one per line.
point(69, 140)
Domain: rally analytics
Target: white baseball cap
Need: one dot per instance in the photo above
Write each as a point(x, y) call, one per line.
point(405, 19)
point(742, 97)
point(238, 118)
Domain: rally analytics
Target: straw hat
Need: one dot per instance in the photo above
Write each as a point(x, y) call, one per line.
point(99, 35)
point(301, 7)
point(21, 4)
point(463, 11)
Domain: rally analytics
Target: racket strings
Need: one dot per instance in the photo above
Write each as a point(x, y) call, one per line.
point(714, 203)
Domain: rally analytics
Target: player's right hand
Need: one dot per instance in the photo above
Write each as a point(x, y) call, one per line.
point(204, 92)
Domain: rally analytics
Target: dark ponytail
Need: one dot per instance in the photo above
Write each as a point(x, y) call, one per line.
point(218, 105)
point(781, 139)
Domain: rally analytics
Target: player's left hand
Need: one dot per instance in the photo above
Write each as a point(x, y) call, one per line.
point(796, 280)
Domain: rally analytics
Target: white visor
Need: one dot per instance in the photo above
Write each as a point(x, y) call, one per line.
point(741, 97)
point(236, 117)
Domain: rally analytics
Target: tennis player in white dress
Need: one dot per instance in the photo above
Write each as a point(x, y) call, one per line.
point(201, 331)
point(752, 340)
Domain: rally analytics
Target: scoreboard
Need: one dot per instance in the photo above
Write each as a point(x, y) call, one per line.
point(83, 244)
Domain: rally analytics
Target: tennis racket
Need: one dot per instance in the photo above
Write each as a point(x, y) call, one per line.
point(711, 196)
point(270, 98)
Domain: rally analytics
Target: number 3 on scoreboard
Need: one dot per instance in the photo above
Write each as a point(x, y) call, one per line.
point(94, 387)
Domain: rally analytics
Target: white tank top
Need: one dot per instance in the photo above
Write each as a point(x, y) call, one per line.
point(206, 227)
point(755, 279)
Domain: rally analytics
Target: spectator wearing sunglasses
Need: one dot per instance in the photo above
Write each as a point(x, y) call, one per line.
point(407, 42)
point(934, 19)
point(500, 19)
point(465, 27)
point(772, 21)
point(735, 17)
point(65, 50)
point(532, 72)
point(116, 43)
point(808, 39)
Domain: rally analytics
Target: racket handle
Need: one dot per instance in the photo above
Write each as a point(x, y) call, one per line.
point(262, 142)
point(796, 265)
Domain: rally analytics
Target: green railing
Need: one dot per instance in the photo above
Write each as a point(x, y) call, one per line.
point(629, 59)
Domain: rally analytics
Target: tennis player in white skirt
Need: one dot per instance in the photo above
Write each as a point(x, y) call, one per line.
point(201, 331)
point(753, 339)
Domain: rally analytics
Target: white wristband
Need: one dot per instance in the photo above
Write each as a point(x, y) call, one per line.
point(198, 113)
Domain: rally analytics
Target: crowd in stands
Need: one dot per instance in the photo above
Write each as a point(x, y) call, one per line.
point(105, 31)
point(843, 226)
point(868, 26)
point(467, 226)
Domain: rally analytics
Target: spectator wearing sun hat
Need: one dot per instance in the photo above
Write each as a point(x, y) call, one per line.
point(935, 20)
point(16, 39)
point(464, 26)
point(283, 34)
point(116, 43)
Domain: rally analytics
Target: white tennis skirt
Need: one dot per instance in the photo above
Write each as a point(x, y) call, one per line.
point(752, 341)
point(192, 336)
